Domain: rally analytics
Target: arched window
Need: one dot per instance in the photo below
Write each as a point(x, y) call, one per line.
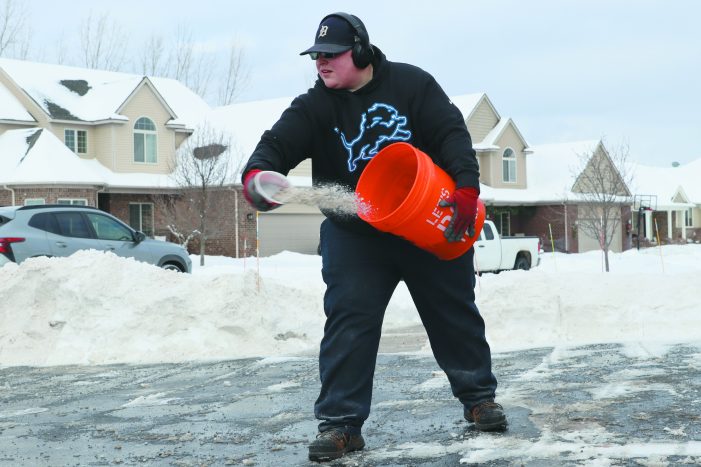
point(145, 141)
point(509, 166)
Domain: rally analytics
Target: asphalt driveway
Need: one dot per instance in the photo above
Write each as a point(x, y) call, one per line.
point(601, 404)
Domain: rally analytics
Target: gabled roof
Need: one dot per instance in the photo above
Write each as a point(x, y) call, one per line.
point(552, 170)
point(666, 182)
point(490, 141)
point(468, 103)
point(11, 109)
point(94, 96)
point(37, 156)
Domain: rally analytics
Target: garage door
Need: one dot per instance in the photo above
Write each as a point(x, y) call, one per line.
point(298, 232)
point(587, 243)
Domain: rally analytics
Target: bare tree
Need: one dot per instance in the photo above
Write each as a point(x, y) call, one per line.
point(154, 61)
point(181, 53)
point(202, 166)
point(22, 48)
point(180, 219)
point(199, 76)
point(602, 185)
point(12, 25)
point(102, 43)
point(61, 49)
point(236, 76)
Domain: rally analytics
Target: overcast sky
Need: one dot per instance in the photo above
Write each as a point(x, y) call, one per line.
point(627, 71)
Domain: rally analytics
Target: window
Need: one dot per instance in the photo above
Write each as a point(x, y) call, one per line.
point(72, 224)
point(109, 229)
point(45, 221)
point(72, 201)
point(688, 219)
point(505, 224)
point(34, 201)
point(487, 231)
point(509, 166)
point(141, 217)
point(145, 141)
point(76, 140)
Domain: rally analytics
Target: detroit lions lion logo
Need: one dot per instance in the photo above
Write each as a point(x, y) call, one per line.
point(379, 124)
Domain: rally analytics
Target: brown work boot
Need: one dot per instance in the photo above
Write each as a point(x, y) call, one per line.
point(487, 416)
point(334, 443)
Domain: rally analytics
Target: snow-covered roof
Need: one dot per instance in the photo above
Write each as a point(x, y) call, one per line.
point(666, 182)
point(691, 174)
point(70, 93)
point(189, 107)
point(37, 156)
point(11, 108)
point(246, 122)
point(467, 103)
point(551, 170)
point(129, 180)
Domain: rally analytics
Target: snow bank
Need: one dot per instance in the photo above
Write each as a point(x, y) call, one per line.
point(97, 308)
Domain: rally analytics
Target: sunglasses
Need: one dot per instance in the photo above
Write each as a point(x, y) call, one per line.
point(327, 55)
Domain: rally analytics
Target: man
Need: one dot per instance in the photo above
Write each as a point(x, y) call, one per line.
point(361, 103)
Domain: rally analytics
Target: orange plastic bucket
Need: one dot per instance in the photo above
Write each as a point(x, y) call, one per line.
point(399, 191)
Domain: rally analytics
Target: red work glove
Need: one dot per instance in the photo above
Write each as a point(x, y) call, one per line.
point(464, 204)
point(254, 198)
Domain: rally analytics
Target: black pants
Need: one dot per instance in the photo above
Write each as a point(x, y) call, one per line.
point(361, 272)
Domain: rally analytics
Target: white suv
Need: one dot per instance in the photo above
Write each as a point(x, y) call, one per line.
point(61, 230)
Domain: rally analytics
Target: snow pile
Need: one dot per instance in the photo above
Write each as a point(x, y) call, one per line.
point(97, 308)
point(94, 308)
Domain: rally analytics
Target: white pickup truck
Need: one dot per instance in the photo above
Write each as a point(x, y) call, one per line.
point(494, 253)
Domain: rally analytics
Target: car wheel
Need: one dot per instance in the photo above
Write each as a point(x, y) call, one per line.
point(522, 263)
point(172, 267)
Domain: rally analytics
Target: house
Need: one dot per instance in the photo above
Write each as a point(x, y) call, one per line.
point(667, 204)
point(99, 138)
point(532, 190)
point(108, 139)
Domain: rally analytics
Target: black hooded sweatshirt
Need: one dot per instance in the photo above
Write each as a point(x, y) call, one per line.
point(342, 130)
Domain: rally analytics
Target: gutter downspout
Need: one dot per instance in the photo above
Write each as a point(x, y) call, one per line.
point(567, 232)
point(236, 220)
point(97, 195)
point(11, 190)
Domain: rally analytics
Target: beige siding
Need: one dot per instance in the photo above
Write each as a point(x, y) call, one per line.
point(678, 198)
point(304, 169)
point(491, 162)
point(481, 122)
point(58, 129)
point(103, 144)
point(180, 138)
point(509, 139)
point(486, 170)
point(144, 104)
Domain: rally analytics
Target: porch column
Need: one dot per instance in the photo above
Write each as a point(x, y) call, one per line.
point(683, 218)
point(669, 225)
point(648, 225)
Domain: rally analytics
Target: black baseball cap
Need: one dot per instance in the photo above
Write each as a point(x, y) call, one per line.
point(334, 35)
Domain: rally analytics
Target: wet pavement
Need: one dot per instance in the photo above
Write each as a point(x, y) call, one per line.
point(593, 405)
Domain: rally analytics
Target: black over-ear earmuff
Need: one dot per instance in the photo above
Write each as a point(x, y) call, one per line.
point(362, 50)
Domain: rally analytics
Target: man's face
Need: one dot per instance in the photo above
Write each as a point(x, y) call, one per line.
point(339, 72)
